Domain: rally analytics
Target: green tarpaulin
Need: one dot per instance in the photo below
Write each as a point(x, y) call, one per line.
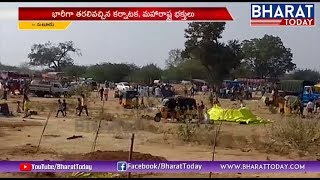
point(242, 115)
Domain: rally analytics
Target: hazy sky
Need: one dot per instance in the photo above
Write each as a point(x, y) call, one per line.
point(143, 43)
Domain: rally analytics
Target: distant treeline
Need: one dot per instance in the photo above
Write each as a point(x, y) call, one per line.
point(187, 70)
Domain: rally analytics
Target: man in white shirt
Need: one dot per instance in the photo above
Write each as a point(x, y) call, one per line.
point(310, 107)
point(158, 92)
point(106, 93)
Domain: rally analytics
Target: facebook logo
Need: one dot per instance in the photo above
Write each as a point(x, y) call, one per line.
point(122, 166)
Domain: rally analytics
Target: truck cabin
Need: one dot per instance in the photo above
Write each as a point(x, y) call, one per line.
point(57, 85)
point(311, 90)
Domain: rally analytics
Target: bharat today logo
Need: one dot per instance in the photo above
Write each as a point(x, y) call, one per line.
point(282, 15)
point(122, 166)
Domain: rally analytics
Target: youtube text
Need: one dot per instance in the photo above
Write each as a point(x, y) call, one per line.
point(59, 167)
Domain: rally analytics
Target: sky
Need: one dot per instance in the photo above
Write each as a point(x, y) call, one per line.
point(145, 42)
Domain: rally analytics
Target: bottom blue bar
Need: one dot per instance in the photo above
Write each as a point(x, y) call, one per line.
point(160, 166)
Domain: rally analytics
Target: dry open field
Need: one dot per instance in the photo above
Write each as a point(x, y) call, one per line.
point(153, 141)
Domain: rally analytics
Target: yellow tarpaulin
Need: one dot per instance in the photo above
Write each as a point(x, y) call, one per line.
point(243, 115)
point(317, 85)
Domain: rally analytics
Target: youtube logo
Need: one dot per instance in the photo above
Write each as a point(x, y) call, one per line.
point(25, 167)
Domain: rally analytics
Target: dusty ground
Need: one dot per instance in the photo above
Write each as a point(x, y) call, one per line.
point(19, 137)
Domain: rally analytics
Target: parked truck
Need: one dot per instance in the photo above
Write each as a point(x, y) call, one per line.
point(42, 89)
point(305, 90)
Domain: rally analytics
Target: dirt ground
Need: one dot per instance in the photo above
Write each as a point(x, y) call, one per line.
point(153, 141)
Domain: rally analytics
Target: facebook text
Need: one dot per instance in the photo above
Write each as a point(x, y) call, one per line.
point(165, 166)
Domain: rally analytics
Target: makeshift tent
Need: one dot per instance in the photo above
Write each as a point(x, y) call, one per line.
point(292, 101)
point(242, 115)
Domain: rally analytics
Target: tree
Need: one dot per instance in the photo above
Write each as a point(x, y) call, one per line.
point(111, 72)
point(268, 56)
point(4, 67)
point(53, 56)
point(202, 44)
point(180, 68)
point(24, 68)
point(242, 71)
point(174, 58)
point(75, 71)
point(172, 74)
point(304, 74)
point(193, 69)
point(147, 74)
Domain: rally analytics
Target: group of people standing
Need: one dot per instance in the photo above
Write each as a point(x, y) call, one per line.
point(10, 86)
point(25, 107)
point(235, 92)
point(81, 106)
point(104, 93)
point(192, 91)
point(157, 90)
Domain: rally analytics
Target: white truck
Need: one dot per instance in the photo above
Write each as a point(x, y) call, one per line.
point(54, 89)
point(122, 86)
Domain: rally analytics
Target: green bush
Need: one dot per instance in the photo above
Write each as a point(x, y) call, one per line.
point(186, 131)
point(296, 133)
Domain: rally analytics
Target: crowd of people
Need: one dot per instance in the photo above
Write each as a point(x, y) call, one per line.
point(240, 92)
point(167, 90)
point(157, 90)
point(10, 86)
point(244, 91)
point(20, 87)
point(162, 90)
point(293, 104)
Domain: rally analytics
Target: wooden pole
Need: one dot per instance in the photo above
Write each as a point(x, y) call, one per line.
point(214, 144)
point(44, 128)
point(98, 129)
point(130, 152)
point(96, 137)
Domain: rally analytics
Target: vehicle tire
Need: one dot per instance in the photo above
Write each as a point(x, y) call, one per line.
point(157, 117)
point(66, 95)
point(179, 119)
point(40, 94)
point(57, 95)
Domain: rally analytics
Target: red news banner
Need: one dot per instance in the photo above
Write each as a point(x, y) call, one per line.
point(38, 18)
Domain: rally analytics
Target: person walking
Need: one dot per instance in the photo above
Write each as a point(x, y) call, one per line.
point(101, 91)
point(201, 108)
point(106, 93)
point(192, 90)
point(60, 108)
point(185, 91)
point(78, 106)
point(64, 106)
point(84, 105)
point(5, 91)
